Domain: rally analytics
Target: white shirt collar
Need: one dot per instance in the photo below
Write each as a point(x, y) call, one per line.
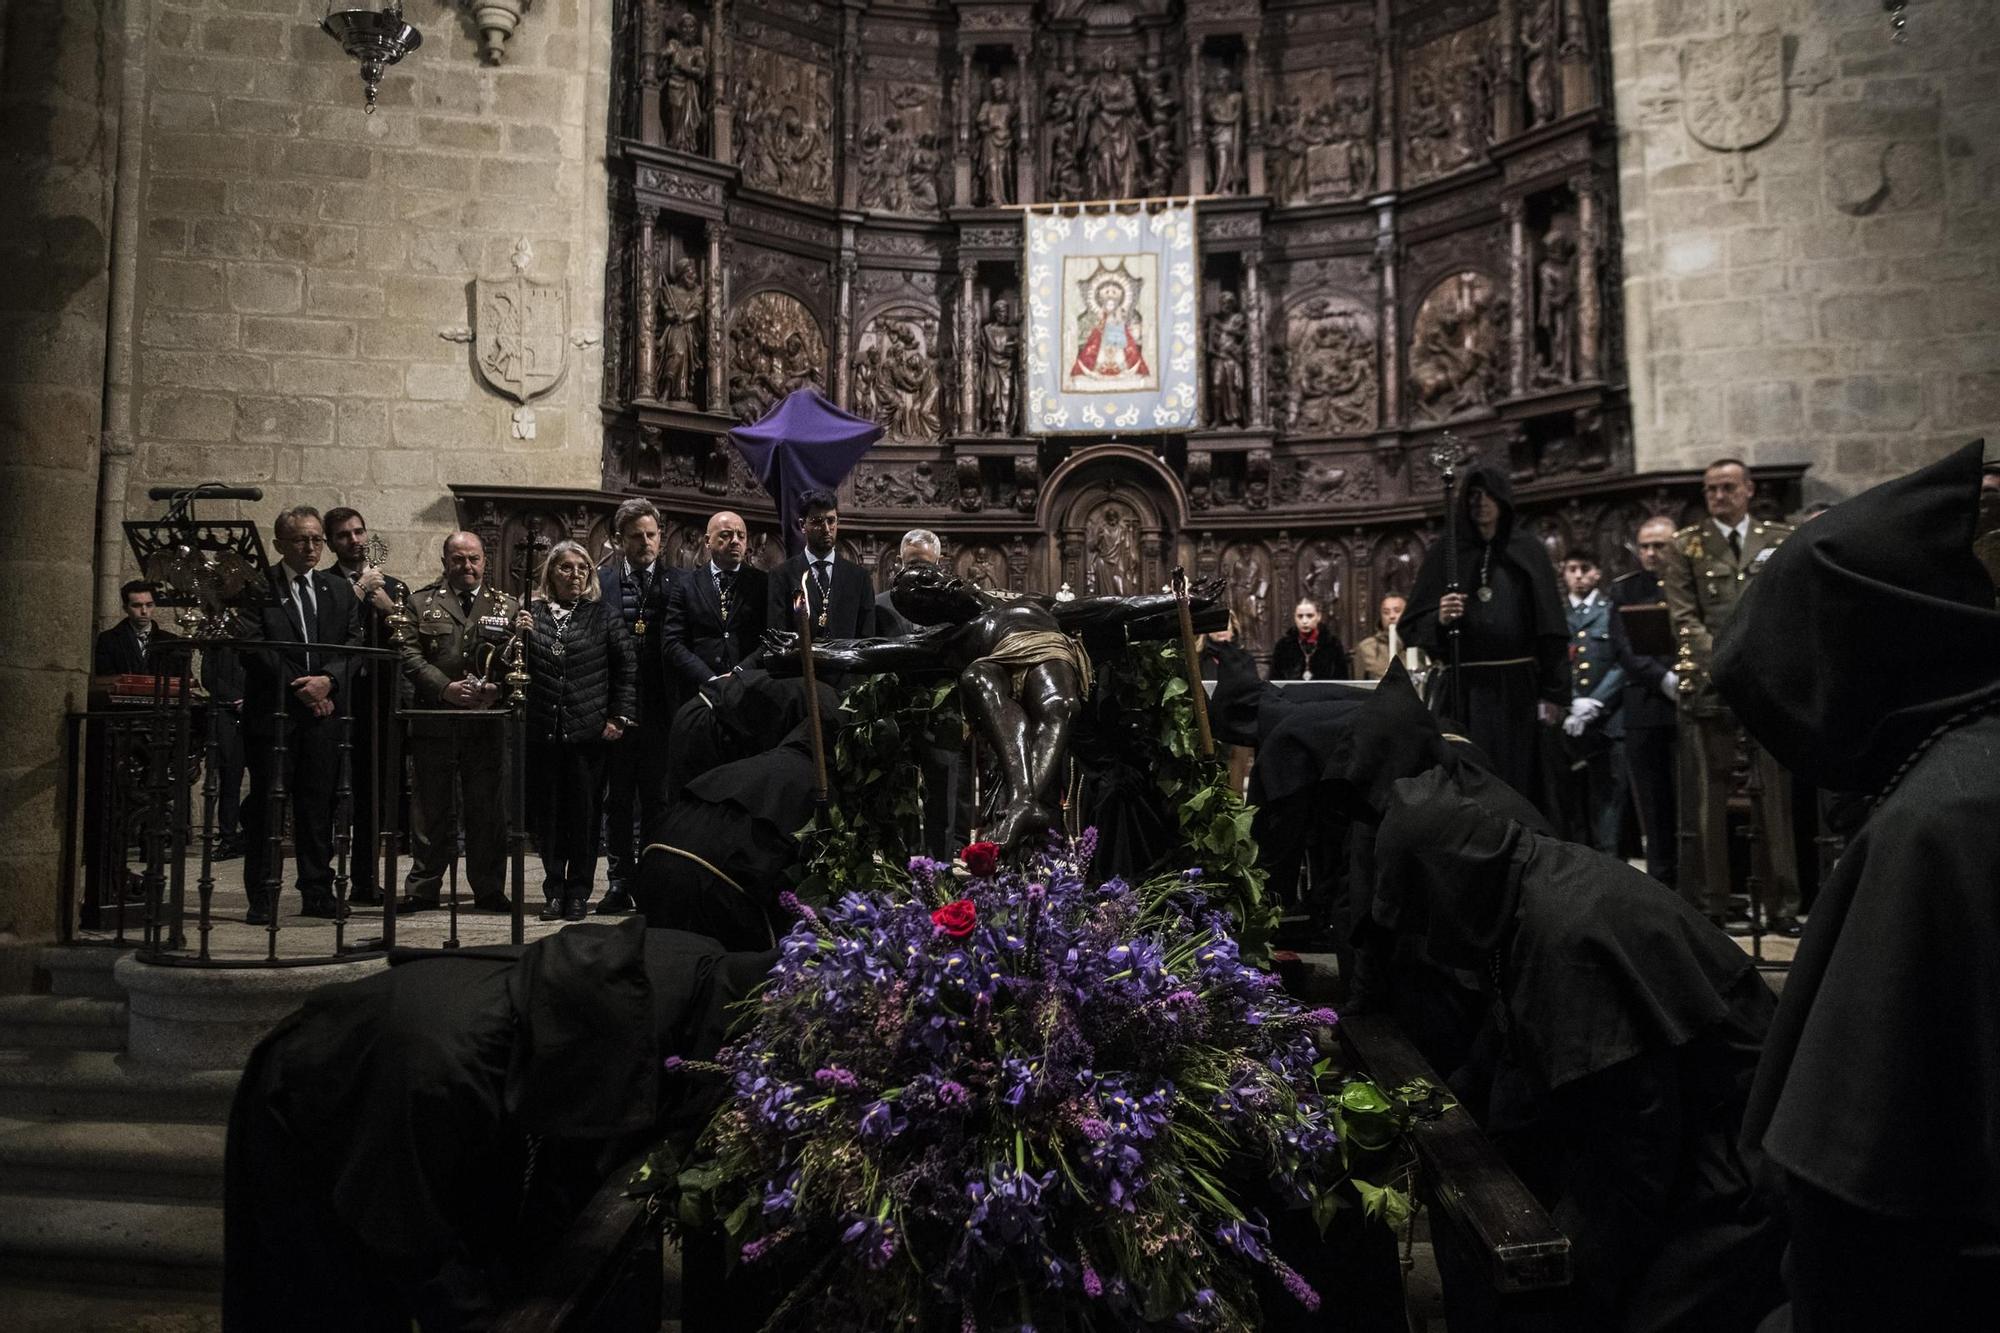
point(632, 570)
point(1588, 599)
point(1741, 528)
point(826, 559)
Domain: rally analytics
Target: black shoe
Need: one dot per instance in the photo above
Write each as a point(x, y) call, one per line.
point(492, 903)
point(227, 849)
point(616, 903)
point(554, 910)
point(257, 916)
point(406, 906)
point(324, 908)
point(1788, 926)
point(361, 896)
point(577, 909)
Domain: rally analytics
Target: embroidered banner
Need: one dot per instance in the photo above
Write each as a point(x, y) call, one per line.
point(1113, 320)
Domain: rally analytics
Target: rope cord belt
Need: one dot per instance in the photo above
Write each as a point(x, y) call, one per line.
point(688, 855)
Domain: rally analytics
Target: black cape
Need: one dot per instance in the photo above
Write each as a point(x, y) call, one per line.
point(1629, 1029)
point(1523, 624)
point(1872, 628)
point(377, 1147)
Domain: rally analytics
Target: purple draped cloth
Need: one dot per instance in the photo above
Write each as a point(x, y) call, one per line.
point(803, 443)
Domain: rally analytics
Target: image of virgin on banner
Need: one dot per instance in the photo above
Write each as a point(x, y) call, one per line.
point(1112, 337)
point(1110, 332)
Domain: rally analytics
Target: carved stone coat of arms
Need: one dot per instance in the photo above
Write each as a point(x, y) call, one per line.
point(1733, 94)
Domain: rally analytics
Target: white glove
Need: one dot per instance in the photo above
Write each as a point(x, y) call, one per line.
point(1585, 707)
point(1670, 685)
point(1573, 725)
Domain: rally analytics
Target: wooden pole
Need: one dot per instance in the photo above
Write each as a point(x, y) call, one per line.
point(1200, 696)
point(802, 616)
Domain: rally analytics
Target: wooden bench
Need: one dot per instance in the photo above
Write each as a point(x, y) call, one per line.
point(1466, 1179)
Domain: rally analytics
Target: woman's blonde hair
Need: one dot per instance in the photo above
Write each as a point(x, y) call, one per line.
point(545, 585)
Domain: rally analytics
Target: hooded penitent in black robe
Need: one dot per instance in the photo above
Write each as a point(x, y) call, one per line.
point(1514, 647)
point(1629, 1030)
point(378, 1165)
point(1866, 658)
point(716, 860)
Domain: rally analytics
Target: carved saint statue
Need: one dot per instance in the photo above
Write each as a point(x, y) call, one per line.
point(1064, 93)
point(1111, 540)
point(1163, 110)
point(1023, 670)
point(1109, 111)
point(684, 67)
point(999, 355)
point(1538, 62)
point(1249, 584)
point(1111, 345)
point(1224, 109)
point(923, 174)
point(1228, 358)
point(1555, 305)
point(681, 303)
point(907, 381)
point(993, 124)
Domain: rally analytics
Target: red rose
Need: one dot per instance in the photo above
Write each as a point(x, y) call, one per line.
point(981, 858)
point(957, 919)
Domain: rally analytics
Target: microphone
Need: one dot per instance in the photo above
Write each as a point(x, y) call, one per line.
point(208, 490)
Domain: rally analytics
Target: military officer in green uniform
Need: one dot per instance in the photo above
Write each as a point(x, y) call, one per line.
point(1706, 573)
point(456, 762)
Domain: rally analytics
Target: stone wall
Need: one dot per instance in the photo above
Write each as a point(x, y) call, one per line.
point(301, 259)
point(1832, 293)
point(58, 149)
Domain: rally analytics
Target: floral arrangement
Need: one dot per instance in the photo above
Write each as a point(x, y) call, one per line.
point(1011, 1099)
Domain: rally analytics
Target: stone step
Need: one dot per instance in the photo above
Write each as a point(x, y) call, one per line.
point(83, 969)
point(104, 1085)
point(162, 1161)
point(62, 1022)
point(112, 1242)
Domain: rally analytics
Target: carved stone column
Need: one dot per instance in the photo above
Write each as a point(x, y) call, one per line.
point(1028, 127)
point(968, 370)
point(716, 233)
point(849, 93)
point(721, 118)
point(650, 129)
point(1507, 95)
point(967, 98)
point(646, 277)
point(1152, 567)
point(1253, 307)
point(1253, 99)
point(1518, 265)
point(1579, 86)
point(1589, 295)
point(1388, 165)
point(843, 326)
point(1197, 153)
point(1392, 323)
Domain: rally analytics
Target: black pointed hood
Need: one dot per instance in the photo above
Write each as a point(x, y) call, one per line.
point(1869, 628)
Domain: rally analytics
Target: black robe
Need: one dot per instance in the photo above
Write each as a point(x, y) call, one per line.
point(1627, 1032)
point(1524, 619)
point(1866, 658)
point(377, 1168)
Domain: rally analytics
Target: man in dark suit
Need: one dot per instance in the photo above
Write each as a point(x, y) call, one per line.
point(311, 686)
point(121, 650)
point(839, 593)
point(1651, 716)
point(920, 547)
point(715, 613)
point(373, 701)
point(635, 580)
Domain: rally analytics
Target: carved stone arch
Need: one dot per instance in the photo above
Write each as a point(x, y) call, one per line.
point(1114, 515)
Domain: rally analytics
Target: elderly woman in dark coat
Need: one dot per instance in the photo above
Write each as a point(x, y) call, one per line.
point(582, 690)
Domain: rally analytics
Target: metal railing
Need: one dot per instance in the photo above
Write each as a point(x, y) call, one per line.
point(143, 783)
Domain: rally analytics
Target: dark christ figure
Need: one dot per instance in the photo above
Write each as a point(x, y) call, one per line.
point(1023, 669)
